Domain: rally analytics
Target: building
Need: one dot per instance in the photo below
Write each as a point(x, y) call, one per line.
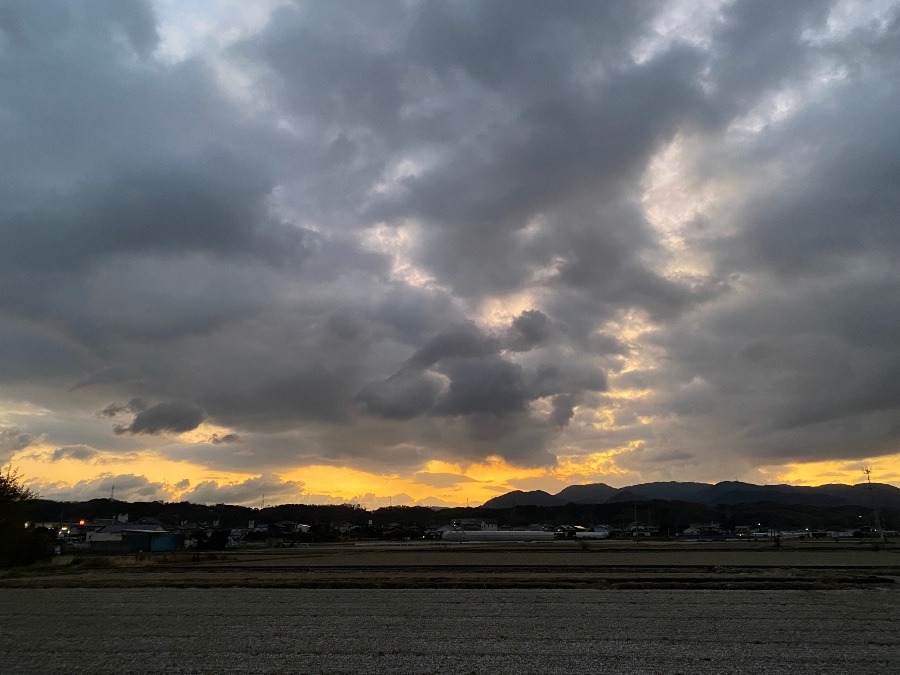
point(134, 538)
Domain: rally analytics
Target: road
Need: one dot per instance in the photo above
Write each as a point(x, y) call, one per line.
point(243, 630)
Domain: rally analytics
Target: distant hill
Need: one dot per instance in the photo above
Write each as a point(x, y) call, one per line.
point(593, 493)
point(671, 490)
point(726, 492)
point(627, 495)
point(520, 498)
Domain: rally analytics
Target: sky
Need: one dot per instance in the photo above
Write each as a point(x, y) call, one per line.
point(430, 252)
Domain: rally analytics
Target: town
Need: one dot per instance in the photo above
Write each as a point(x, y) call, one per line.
point(223, 527)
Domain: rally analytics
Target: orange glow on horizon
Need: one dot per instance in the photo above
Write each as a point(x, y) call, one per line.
point(35, 464)
point(884, 470)
point(438, 482)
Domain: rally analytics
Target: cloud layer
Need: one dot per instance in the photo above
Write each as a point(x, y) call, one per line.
point(386, 235)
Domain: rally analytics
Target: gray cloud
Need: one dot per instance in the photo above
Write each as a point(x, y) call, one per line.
point(128, 487)
point(82, 452)
point(759, 46)
point(217, 439)
point(845, 204)
point(405, 395)
point(163, 418)
point(530, 329)
point(13, 439)
point(483, 386)
point(134, 406)
point(563, 409)
point(462, 374)
point(114, 374)
point(457, 341)
point(251, 491)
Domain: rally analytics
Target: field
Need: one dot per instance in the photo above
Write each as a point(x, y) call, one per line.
point(602, 607)
point(497, 631)
point(599, 565)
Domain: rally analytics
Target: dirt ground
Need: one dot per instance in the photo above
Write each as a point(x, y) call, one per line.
point(497, 631)
point(415, 607)
point(598, 565)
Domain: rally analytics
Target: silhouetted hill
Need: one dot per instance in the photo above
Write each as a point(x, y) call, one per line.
point(862, 494)
point(626, 495)
point(520, 498)
point(592, 493)
point(671, 490)
point(726, 492)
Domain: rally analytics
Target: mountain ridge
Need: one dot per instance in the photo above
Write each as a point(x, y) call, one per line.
point(725, 492)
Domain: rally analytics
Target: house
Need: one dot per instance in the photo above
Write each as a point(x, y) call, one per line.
point(124, 537)
point(638, 531)
point(476, 524)
point(289, 527)
point(704, 532)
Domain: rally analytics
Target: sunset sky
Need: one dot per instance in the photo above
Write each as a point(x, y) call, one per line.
point(431, 252)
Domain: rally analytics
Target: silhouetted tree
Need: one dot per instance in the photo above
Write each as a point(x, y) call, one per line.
point(12, 493)
point(19, 545)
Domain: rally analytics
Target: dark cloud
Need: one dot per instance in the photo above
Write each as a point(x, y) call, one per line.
point(845, 202)
point(134, 406)
point(81, 452)
point(405, 395)
point(605, 344)
point(164, 418)
point(483, 386)
point(794, 384)
point(672, 456)
point(315, 393)
point(217, 439)
point(567, 376)
point(211, 205)
point(530, 329)
point(457, 341)
point(13, 439)
point(515, 437)
point(563, 409)
point(759, 46)
point(413, 314)
point(35, 351)
point(114, 374)
point(462, 374)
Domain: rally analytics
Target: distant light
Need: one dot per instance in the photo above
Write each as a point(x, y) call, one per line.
point(81, 522)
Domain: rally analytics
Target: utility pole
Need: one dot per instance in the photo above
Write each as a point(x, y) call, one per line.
point(878, 529)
